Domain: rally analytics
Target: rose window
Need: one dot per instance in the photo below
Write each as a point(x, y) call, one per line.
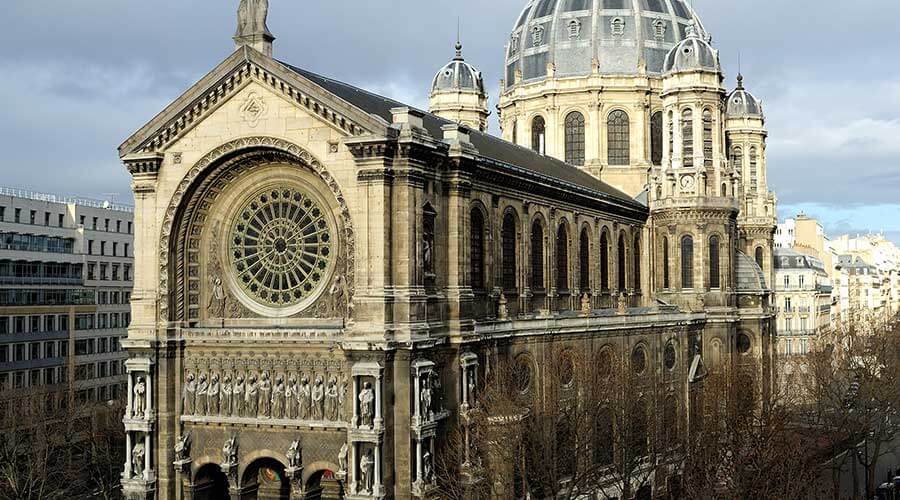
point(281, 246)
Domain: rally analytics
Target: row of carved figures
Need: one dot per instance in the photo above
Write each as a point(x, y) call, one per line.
point(261, 398)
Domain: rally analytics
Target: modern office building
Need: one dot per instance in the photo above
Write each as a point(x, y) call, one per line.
point(65, 289)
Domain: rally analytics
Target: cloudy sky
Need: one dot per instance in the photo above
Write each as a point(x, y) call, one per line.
point(78, 77)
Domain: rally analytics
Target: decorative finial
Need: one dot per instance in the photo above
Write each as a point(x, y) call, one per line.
point(691, 30)
point(740, 80)
point(252, 30)
point(459, 46)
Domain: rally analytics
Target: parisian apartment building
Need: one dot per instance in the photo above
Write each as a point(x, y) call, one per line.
point(66, 275)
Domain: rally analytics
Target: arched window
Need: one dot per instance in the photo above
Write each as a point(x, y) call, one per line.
point(687, 262)
point(636, 261)
point(671, 134)
point(604, 261)
point(656, 138)
point(575, 138)
point(754, 180)
point(620, 261)
point(428, 248)
point(538, 135)
point(724, 189)
point(508, 238)
point(618, 138)
point(665, 262)
point(715, 278)
point(476, 249)
point(537, 256)
point(737, 161)
point(515, 132)
point(584, 261)
point(562, 258)
point(760, 259)
point(687, 138)
point(707, 138)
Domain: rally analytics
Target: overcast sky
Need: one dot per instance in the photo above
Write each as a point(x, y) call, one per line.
point(79, 76)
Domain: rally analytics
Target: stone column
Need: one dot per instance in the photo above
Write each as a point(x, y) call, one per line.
point(130, 397)
point(128, 465)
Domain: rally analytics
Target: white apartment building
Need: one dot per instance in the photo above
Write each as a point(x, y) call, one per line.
point(803, 291)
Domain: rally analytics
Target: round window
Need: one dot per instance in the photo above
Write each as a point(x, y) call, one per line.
point(523, 374)
point(639, 359)
point(743, 343)
point(281, 247)
point(669, 356)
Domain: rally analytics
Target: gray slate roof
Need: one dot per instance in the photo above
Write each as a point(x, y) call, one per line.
point(489, 147)
point(750, 278)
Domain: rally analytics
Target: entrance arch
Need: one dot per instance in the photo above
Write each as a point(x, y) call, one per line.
point(323, 485)
point(210, 483)
point(264, 479)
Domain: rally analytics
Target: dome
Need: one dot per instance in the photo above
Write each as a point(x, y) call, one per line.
point(692, 54)
point(742, 103)
point(749, 276)
point(458, 75)
point(620, 37)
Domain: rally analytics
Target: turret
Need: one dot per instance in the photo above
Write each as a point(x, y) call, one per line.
point(457, 93)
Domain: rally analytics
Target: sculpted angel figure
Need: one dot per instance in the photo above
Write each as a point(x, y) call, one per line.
point(216, 306)
point(251, 406)
point(202, 388)
point(188, 395)
point(278, 398)
point(212, 395)
point(304, 397)
point(237, 397)
point(318, 397)
point(265, 396)
point(331, 400)
point(225, 398)
point(183, 447)
point(293, 455)
point(291, 392)
point(252, 16)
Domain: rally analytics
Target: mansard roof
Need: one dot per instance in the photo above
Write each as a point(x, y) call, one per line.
point(489, 147)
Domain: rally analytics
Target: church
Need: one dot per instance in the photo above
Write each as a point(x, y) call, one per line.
point(325, 277)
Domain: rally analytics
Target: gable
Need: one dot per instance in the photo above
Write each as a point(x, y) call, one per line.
point(230, 77)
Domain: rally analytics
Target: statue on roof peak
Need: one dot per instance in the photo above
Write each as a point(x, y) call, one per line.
point(252, 16)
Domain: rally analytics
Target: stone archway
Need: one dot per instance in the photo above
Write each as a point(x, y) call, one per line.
point(324, 485)
point(265, 479)
point(210, 483)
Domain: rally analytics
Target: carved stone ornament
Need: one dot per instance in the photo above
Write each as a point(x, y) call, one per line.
point(254, 109)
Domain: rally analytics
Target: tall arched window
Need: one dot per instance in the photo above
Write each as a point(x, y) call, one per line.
point(537, 255)
point(754, 179)
point(508, 238)
point(538, 135)
point(476, 250)
point(562, 258)
point(656, 138)
point(715, 278)
point(687, 138)
point(737, 161)
point(665, 262)
point(618, 138)
point(636, 261)
point(584, 261)
point(687, 262)
point(760, 259)
point(707, 138)
point(620, 263)
point(575, 138)
point(604, 261)
point(515, 132)
point(671, 134)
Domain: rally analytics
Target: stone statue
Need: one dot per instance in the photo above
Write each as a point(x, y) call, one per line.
point(225, 399)
point(278, 398)
point(137, 460)
point(318, 397)
point(585, 304)
point(183, 447)
point(338, 296)
point(471, 388)
point(366, 464)
point(229, 451)
point(427, 467)
point(216, 307)
point(265, 396)
point(212, 395)
point(425, 398)
point(251, 405)
point(502, 308)
point(438, 392)
point(202, 388)
point(140, 399)
point(188, 395)
point(342, 458)
point(291, 392)
point(304, 396)
point(342, 396)
point(367, 405)
point(294, 456)
point(252, 16)
point(238, 397)
point(331, 400)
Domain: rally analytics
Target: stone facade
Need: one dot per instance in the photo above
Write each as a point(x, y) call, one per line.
point(324, 277)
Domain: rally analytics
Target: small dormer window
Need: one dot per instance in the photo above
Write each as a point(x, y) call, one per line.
point(514, 44)
point(574, 29)
point(659, 29)
point(617, 26)
point(537, 35)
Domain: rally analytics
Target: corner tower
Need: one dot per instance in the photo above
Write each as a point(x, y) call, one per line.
point(457, 93)
point(693, 193)
point(745, 133)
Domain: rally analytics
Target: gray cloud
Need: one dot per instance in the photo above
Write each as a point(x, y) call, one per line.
point(81, 76)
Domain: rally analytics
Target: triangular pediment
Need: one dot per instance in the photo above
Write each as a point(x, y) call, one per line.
point(228, 78)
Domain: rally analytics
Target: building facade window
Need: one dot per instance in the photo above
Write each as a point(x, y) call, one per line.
point(604, 261)
point(656, 138)
point(575, 138)
point(477, 249)
point(508, 243)
point(538, 135)
point(636, 262)
point(707, 138)
point(620, 263)
point(687, 138)
point(618, 138)
point(584, 261)
point(537, 256)
point(737, 161)
point(665, 263)
point(760, 259)
point(715, 278)
point(562, 257)
point(687, 262)
point(754, 173)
